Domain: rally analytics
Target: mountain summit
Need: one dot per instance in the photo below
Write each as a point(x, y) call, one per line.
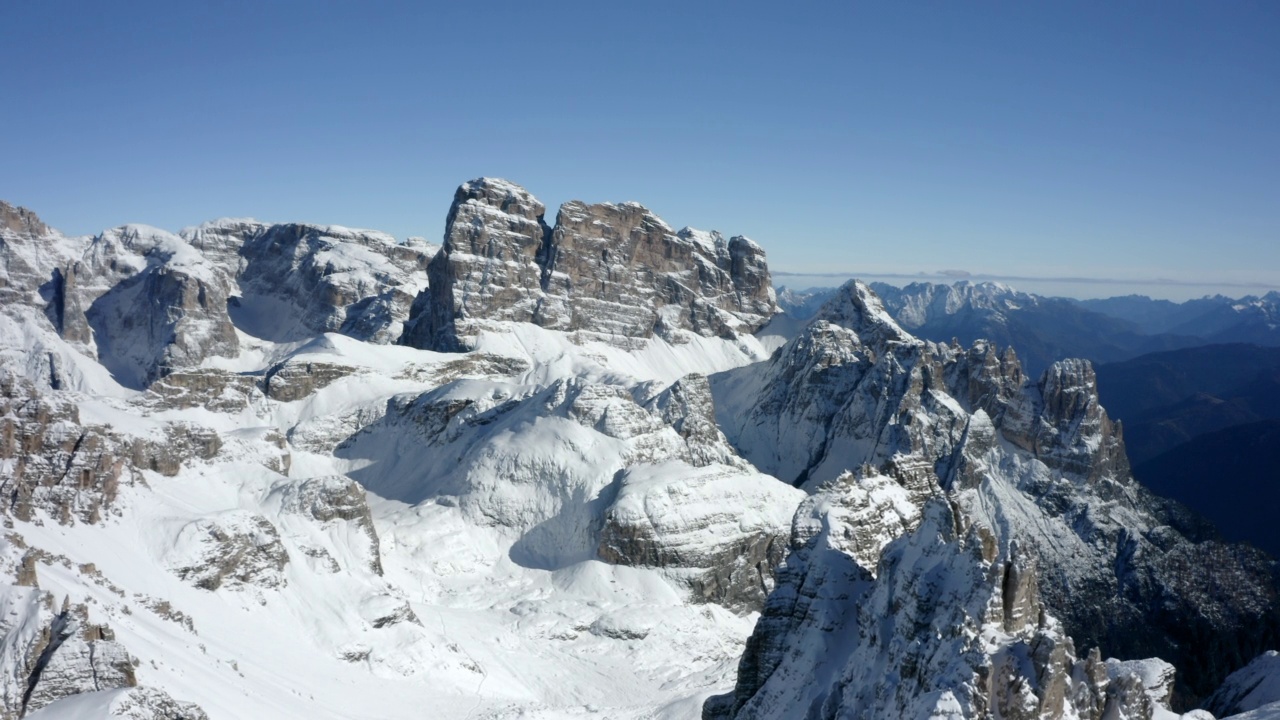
point(301, 471)
point(604, 271)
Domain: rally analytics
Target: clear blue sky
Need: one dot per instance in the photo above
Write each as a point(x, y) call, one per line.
point(1134, 139)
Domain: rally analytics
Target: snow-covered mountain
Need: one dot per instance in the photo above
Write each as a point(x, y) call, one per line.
point(263, 470)
point(1036, 462)
point(1042, 329)
point(1215, 319)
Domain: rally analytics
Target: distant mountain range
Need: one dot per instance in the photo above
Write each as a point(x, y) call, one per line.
point(1216, 319)
point(1043, 330)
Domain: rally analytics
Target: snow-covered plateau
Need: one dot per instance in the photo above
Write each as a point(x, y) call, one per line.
point(255, 470)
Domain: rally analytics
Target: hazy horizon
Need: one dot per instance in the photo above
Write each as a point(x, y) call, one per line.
point(1076, 288)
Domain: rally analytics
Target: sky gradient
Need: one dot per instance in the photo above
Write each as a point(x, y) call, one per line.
point(1100, 140)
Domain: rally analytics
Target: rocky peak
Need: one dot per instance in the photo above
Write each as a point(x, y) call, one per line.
point(498, 195)
point(950, 626)
point(607, 270)
point(1038, 459)
point(20, 220)
point(855, 306)
point(30, 252)
point(490, 266)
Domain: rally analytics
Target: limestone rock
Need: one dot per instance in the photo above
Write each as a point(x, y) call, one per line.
point(234, 549)
point(1040, 460)
point(135, 703)
point(721, 531)
point(605, 270)
point(949, 627)
point(216, 390)
point(490, 266)
point(166, 310)
point(296, 379)
point(49, 461)
point(297, 280)
point(330, 499)
point(48, 654)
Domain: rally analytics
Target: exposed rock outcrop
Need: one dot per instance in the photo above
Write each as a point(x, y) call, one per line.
point(334, 498)
point(235, 549)
point(582, 470)
point(297, 280)
point(216, 390)
point(950, 627)
point(718, 530)
point(1040, 462)
point(163, 307)
point(135, 703)
point(47, 654)
point(50, 461)
point(605, 270)
point(295, 379)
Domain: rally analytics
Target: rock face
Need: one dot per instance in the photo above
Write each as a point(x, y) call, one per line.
point(294, 380)
point(334, 498)
point(235, 549)
point(951, 626)
point(28, 255)
point(605, 270)
point(48, 654)
point(164, 306)
point(136, 703)
point(147, 303)
point(138, 299)
point(724, 534)
point(54, 463)
point(1037, 462)
point(298, 280)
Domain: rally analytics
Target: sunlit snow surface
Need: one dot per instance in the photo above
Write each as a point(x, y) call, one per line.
point(492, 638)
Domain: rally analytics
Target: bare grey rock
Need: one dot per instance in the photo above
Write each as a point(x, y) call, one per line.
point(688, 407)
point(216, 390)
point(49, 654)
point(296, 379)
point(948, 627)
point(296, 280)
point(235, 549)
point(721, 531)
point(169, 313)
point(491, 265)
point(1039, 461)
point(136, 703)
point(606, 271)
point(50, 461)
point(182, 442)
